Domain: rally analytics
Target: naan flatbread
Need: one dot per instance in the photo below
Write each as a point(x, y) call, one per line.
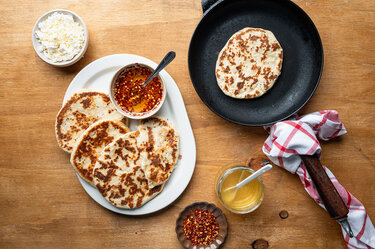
point(249, 63)
point(82, 110)
point(158, 143)
point(91, 144)
point(119, 177)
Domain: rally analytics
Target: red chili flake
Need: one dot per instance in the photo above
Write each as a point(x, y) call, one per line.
point(201, 227)
point(131, 96)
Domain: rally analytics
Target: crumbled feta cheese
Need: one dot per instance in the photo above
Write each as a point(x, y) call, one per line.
point(60, 37)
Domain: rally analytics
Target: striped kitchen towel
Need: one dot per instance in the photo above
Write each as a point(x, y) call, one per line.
point(291, 138)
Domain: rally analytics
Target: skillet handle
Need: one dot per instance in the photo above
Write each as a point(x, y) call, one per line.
point(327, 191)
point(207, 4)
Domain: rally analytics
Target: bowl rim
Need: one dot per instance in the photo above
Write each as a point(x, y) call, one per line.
point(129, 114)
point(78, 56)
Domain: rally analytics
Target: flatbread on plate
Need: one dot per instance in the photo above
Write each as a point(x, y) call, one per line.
point(91, 144)
point(119, 177)
point(82, 110)
point(158, 144)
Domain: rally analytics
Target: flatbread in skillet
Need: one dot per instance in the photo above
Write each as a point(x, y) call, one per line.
point(249, 63)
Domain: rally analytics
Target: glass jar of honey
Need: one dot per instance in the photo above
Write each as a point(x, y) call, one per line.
point(239, 200)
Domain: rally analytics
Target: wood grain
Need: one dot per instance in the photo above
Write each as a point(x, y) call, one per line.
point(42, 204)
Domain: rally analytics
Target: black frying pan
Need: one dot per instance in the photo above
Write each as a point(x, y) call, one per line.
point(302, 62)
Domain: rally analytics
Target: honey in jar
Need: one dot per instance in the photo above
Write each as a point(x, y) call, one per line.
point(239, 200)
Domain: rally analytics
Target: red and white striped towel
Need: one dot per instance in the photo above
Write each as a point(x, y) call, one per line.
point(299, 136)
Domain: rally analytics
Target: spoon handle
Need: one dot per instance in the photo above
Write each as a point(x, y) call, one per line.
point(166, 60)
point(259, 172)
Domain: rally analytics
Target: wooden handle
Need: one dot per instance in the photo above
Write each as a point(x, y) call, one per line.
point(327, 191)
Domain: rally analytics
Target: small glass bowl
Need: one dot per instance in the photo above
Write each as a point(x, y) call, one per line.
point(133, 115)
point(226, 171)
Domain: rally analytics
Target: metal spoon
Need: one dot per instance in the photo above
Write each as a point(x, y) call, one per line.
point(232, 191)
point(166, 60)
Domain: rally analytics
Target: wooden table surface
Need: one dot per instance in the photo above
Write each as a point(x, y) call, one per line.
point(42, 203)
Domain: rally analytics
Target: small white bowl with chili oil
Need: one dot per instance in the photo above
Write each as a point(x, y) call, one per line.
point(132, 99)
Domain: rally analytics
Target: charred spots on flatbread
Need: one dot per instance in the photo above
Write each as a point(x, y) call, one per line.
point(129, 201)
point(254, 49)
point(164, 154)
point(281, 55)
point(239, 68)
point(101, 164)
point(152, 175)
point(272, 77)
point(155, 120)
point(231, 80)
point(223, 55)
point(240, 85)
point(150, 142)
point(171, 138)
point(242, 45)
point(86, 102)
point(254, 38)
point(154, 190)
point(279, 66)
point(129, 147)
point(74, 128)
point(275, 46)
point(226, 79)
point(101, 189)
point(82, 120)
point(139, 202)
point(108, 176)
point(231, 58)
point(78, 113)
point(92, 143)
point(155, 161)
point(217, 73)
point(226, 70)
point(155, 145)
point(142, 181)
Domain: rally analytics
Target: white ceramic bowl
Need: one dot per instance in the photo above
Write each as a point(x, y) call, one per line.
point(78, 56)
point(137, 115)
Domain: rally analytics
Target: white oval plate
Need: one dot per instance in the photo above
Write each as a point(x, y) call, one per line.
point(97, 76)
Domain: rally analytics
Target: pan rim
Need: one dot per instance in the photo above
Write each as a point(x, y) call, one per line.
point(217, 5)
